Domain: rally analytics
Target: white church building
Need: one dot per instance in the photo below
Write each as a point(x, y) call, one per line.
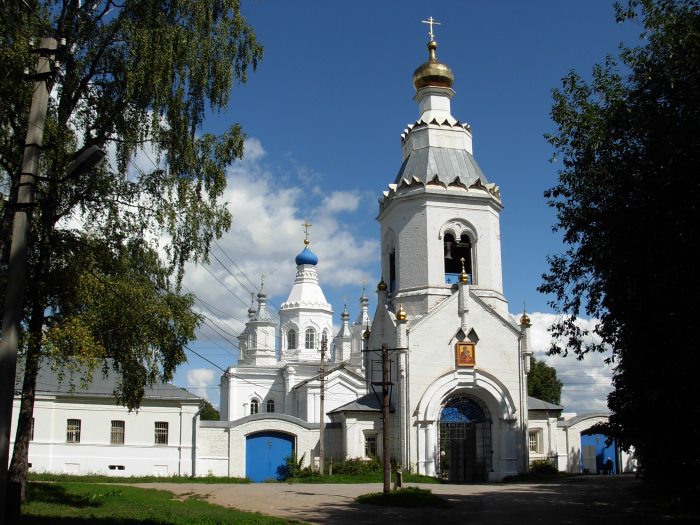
point(458, 359)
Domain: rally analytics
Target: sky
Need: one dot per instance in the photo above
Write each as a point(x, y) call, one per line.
point(323, 115)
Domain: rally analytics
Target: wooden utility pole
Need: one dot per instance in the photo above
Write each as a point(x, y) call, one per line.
point(385, 418)
point(322, 428)
point(17, 266)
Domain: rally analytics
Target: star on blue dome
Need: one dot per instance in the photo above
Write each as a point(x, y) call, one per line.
point(306, 257)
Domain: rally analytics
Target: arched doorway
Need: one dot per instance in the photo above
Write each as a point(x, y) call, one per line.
point(465, 441)
point(264, 452)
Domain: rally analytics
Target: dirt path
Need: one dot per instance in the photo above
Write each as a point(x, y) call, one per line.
point(581, 500)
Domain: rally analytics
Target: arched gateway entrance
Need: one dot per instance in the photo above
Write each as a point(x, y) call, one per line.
point(465, 441)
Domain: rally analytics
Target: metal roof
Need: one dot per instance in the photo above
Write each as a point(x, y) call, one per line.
point(447, 164)
point(366, 403)
point(49, 383)
point(537, 404)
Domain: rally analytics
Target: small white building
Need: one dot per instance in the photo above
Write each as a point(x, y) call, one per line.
point(79, 429)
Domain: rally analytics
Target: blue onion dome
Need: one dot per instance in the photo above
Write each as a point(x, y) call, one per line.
point(306, 257)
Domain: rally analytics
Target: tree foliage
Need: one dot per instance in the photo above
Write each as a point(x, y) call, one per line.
point(108, 247)
point(209, 413)
point(628, 204)
point(542, 382)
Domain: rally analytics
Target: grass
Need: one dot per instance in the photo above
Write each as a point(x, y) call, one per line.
point(69, 502)
point(99, 478)
point(373, 477)
point(405, 497)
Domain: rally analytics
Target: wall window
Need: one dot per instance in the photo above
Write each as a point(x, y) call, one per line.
point(534, 441)
point(31, 431)
point(455, 250)
point(73, 431)
point(161, 433)
point(291, 340)
point(270, 405)
point(116, 436)
point(370, 445)
point(310, 339)
point(254, 407)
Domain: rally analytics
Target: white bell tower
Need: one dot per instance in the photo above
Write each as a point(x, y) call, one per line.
point(440, 208)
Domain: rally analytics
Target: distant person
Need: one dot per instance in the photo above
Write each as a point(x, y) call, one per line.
point(608, 466)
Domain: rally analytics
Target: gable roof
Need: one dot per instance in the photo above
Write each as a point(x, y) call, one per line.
point(366, 403)
point(49, 383)
point(537, 404)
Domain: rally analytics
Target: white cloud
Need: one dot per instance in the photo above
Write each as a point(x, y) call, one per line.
point(586, 382)
point(268, 206)
point(199, 380)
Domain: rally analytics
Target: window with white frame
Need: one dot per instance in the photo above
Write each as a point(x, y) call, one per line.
point(254, 407)
point(291, 340)
point(73, 431)
point(161, 433)
point(370, 445)
point(310, 339)
point(534, 441)
point(116, 435)
point(270, 405)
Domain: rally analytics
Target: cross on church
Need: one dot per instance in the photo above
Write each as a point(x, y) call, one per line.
point(306, 224)
point(431, 21)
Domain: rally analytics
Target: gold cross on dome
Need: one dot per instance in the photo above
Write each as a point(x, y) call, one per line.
point(431, 22)
point(306, 224)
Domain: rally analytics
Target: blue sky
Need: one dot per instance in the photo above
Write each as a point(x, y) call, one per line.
point(323, 114)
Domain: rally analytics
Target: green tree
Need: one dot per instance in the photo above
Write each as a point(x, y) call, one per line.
point(542, 382)
point(628, 204)
point(209, 413)
point(132, 74)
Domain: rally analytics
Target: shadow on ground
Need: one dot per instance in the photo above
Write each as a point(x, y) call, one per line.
point(583, 500)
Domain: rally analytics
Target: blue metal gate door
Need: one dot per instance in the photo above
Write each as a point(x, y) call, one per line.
point(264, 452)
point(595, 453)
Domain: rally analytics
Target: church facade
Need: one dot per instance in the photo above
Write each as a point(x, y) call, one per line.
point(458, 359)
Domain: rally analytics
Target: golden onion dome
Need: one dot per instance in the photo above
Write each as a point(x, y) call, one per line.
point(433, 73)
point(525, 320)
point(401, 314)
point(381, 287)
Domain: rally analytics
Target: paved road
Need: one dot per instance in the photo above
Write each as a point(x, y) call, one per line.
point(580, 500)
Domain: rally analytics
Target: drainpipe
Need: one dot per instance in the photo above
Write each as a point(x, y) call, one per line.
point(194, 439)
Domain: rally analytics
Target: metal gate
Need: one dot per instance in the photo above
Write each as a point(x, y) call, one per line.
point(264, 453)
point(465, 441)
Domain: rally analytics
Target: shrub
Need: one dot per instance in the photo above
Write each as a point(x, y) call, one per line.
point(358, 466)
point(543, 466)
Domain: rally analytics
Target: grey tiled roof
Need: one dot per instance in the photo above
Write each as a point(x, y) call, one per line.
point(446, 164)
point(101, 386)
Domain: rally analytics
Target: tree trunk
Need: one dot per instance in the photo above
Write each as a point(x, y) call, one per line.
point(17, 474)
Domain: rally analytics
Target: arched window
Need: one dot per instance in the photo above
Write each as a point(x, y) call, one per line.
point(291, 340)
point(310, 340)
point(254, 406)
point(253, 340)
point(270, 405)
point(454, 252)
